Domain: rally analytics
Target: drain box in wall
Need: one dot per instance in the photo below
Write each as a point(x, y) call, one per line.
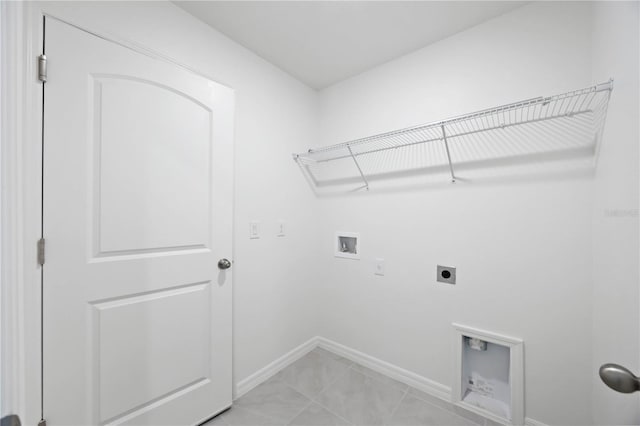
point(347, 244)
point(489, 374)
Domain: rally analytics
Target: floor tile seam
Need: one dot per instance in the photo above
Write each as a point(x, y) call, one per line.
point(332, 412)
point(449, 410)
point(289, 385)
point(331, 383)
point(311, 400)
point(325, 358)
point(254, 411)
point(307, 405)
point(317, 401)
point(393, 412)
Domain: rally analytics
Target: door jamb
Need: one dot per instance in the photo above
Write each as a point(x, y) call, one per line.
point(20, 162)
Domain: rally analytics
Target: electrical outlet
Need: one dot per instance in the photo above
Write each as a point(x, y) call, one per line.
point(446, 274)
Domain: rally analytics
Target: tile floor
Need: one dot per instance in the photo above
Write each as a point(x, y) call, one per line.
point(325, 389)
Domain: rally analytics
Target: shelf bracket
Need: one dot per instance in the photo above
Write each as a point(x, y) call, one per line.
point(366, 183)
point(446, 145)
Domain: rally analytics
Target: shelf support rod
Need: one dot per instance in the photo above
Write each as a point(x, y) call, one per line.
point(366, 183)
point(446, 145)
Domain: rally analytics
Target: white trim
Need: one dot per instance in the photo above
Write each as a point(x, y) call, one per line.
point(20, 195)
point(269, 370)
point(532, 422)
point(516, 371)
point(484, 413)
point(28, 209)
point(383, 367)
point(489, 336)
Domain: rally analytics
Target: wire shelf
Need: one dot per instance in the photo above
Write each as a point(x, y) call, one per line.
point(585, 107)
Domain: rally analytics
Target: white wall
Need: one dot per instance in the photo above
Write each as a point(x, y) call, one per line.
point(616, 317)
point(274, 280)
point(522, 246)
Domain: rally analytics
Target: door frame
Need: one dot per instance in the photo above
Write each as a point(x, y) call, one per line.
point(20, 199)
point(21, 175)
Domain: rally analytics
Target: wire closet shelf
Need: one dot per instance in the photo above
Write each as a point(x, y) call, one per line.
point(566, 105)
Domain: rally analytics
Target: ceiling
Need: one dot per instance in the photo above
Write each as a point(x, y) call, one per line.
point(323, 42)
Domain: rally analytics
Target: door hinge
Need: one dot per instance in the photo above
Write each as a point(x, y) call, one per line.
point(41, 251)
point(42, 68)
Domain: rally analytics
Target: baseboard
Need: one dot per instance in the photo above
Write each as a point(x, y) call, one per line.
point(428, 386)
point(405, 376)
point(532, 422)
point(268, 371)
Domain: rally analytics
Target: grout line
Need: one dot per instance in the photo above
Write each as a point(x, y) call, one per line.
point(295, 389)
point(450, 408)
point(254, 411)
point(322, 390)
point(315, 401)
point(331, 383)
point(351, 366)
point(300, 412)
point(340, 376)
point(444, 406)
point(393, 412)
point(333, 412)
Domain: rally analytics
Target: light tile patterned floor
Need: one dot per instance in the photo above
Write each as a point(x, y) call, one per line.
point(325, 389)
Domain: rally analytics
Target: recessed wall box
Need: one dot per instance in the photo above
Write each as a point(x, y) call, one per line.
point(347, 245)
point(489, 374)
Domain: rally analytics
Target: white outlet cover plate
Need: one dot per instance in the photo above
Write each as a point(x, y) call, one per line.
point(254, 230)
point(379, 266)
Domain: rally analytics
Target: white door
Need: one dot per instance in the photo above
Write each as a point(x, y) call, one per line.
point(137, 213)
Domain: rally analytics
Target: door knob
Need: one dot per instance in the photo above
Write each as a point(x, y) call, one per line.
point(619, 378)
point(224, 264)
